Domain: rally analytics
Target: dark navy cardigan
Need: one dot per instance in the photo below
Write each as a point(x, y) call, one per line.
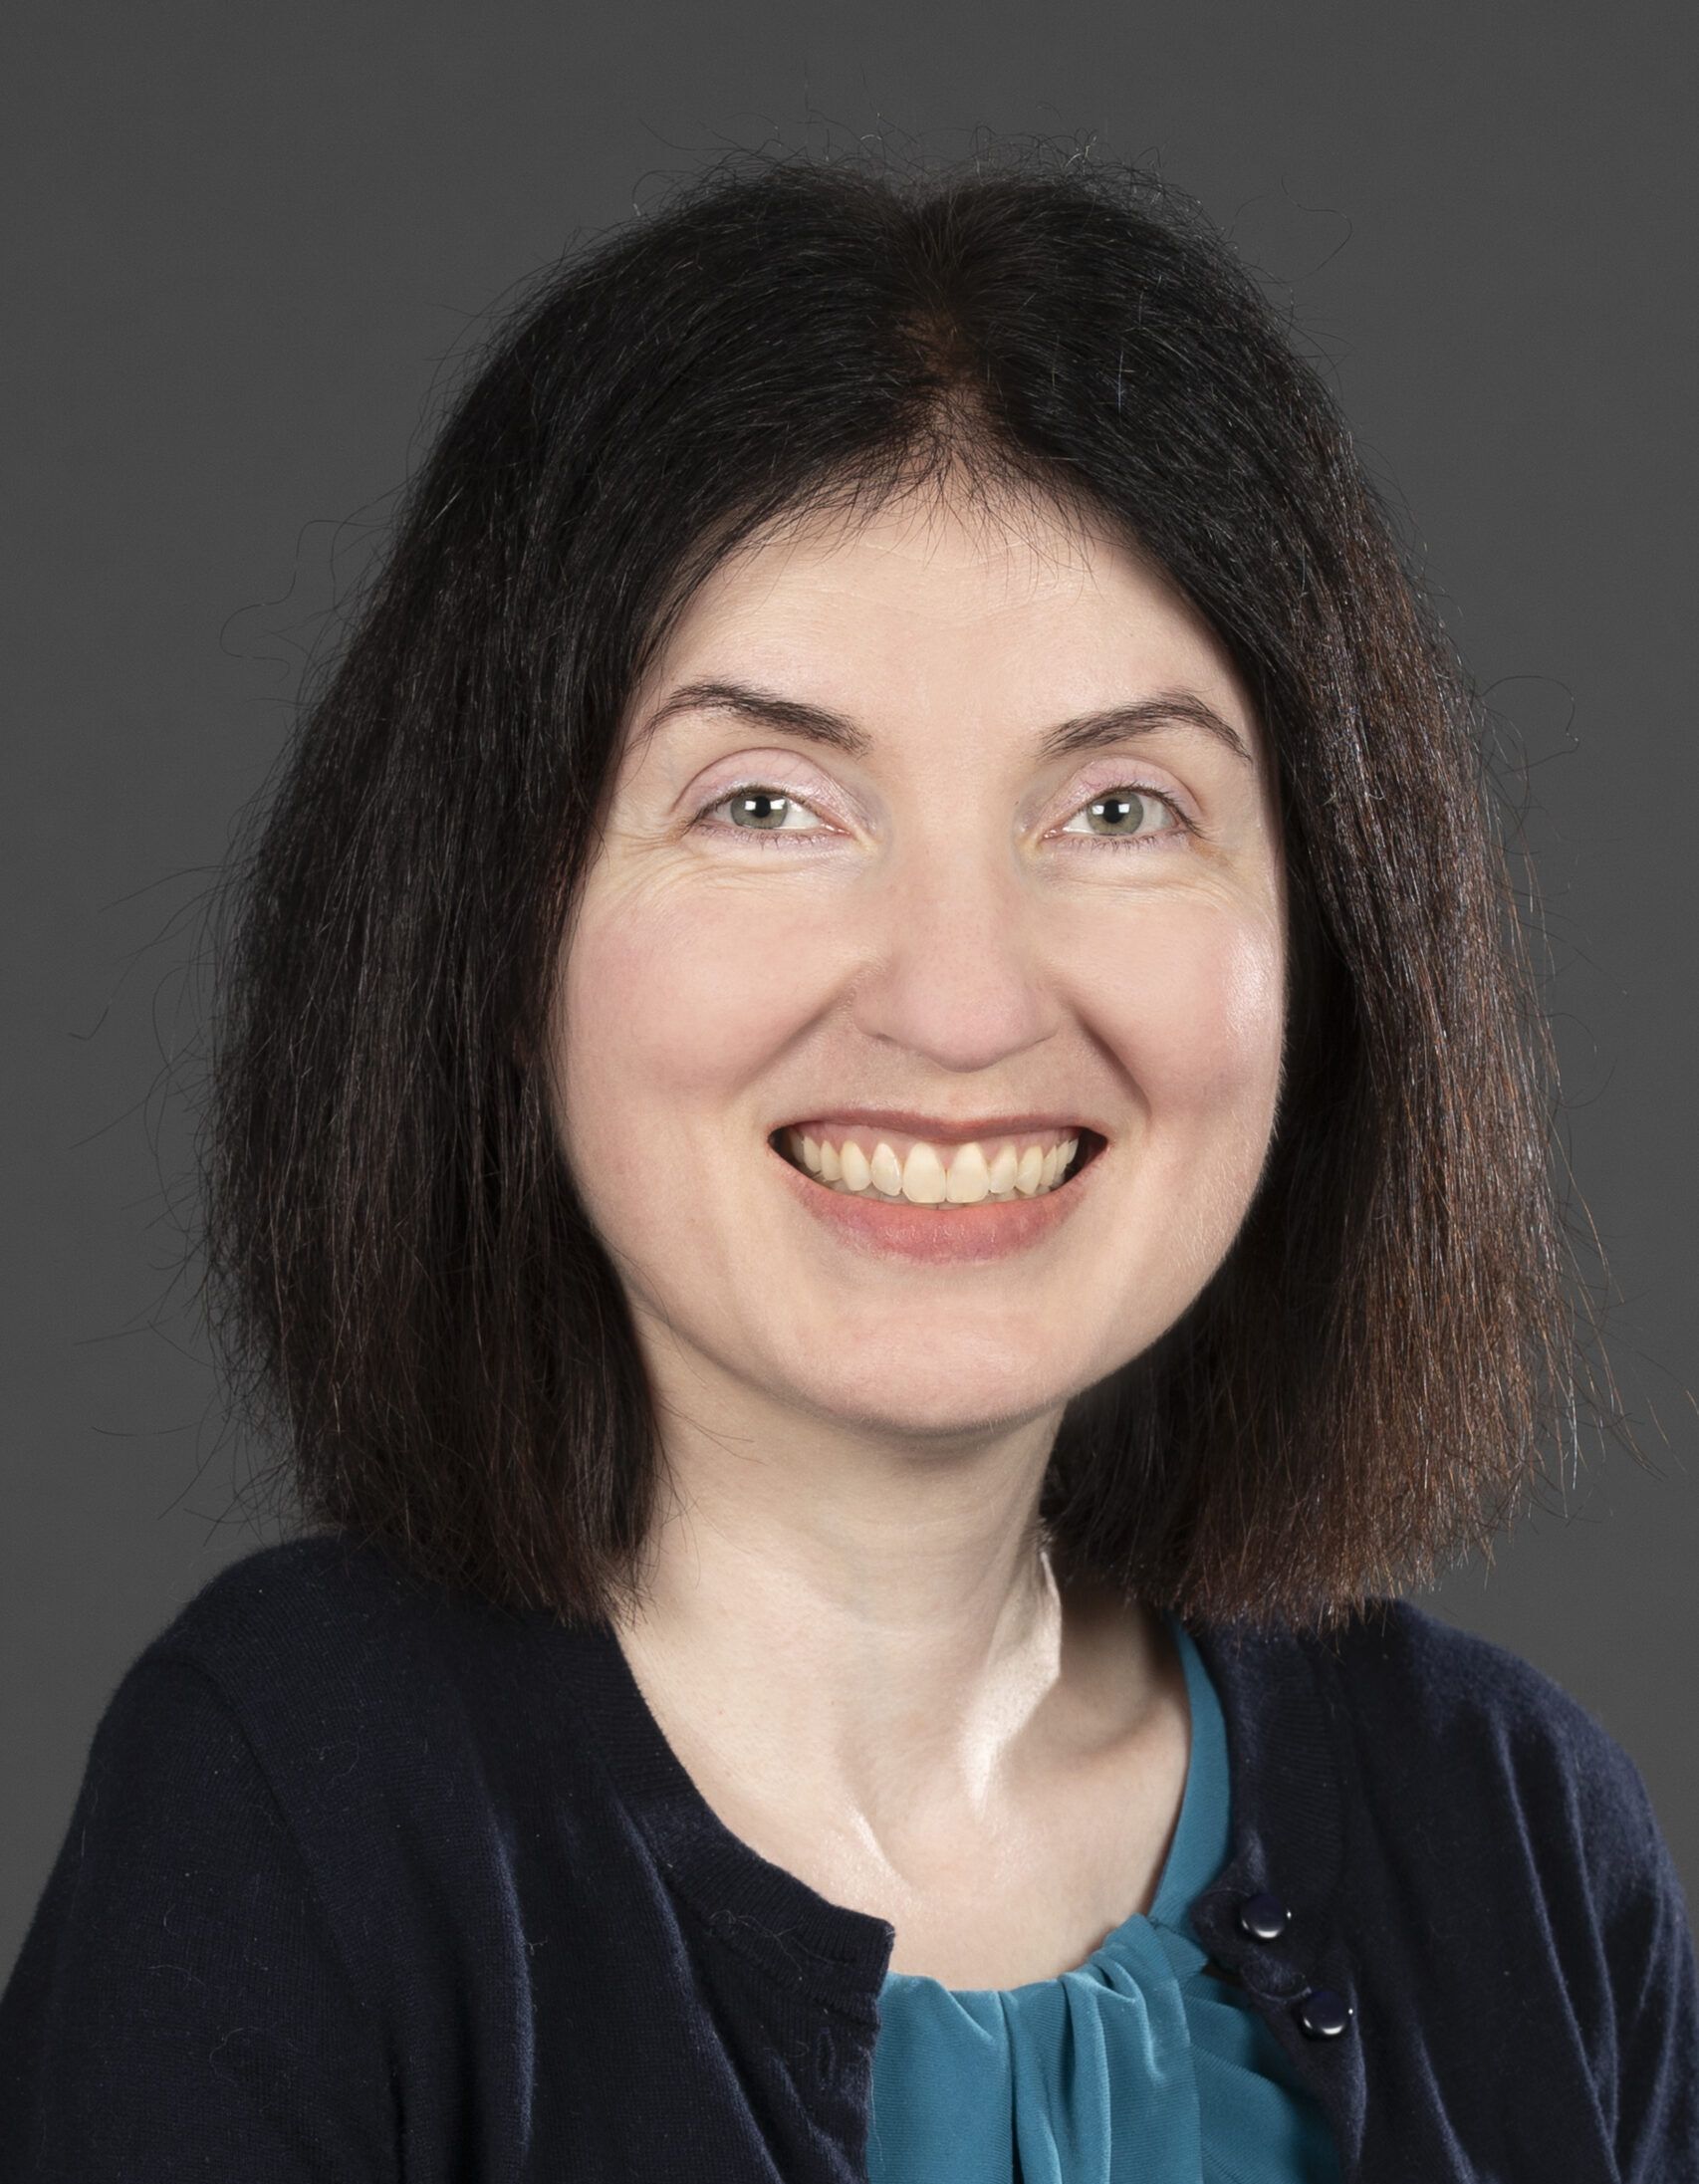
point(369, 1883)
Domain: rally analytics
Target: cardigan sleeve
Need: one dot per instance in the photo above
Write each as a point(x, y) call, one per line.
point(1655, 1975)
point(179, 2007)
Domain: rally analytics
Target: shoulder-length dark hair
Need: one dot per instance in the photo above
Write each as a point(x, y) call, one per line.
point(404, 1280)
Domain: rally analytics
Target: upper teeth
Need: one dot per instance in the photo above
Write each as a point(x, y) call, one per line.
point(859, 1162)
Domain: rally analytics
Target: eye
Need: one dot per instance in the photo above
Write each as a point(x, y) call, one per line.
point(1117, 819)
point(757, 809)
point(1122, 811)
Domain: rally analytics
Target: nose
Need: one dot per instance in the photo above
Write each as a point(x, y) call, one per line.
point(954, 968)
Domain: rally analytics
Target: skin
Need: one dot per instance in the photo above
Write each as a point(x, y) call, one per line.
point(849, 1633)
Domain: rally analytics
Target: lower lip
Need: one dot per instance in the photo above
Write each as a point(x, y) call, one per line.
point(956, 1236)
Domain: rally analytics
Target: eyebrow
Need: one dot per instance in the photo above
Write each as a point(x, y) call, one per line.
point(1085, 732)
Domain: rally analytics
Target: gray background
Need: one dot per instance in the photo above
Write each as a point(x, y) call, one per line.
point(253, 246)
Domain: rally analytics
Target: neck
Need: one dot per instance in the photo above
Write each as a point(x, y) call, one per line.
point(875, 1623)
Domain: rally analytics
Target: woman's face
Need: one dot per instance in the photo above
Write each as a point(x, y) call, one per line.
point(942, 914)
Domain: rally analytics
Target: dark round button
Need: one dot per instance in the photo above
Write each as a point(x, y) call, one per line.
point(1324, 2014)
point(1264, 1917)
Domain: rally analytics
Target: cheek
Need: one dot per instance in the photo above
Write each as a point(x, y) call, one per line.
point(1200, 1013)
point(668, 1005)
point(1198, 1021)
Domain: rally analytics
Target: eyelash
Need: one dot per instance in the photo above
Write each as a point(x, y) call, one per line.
point(1183, 825)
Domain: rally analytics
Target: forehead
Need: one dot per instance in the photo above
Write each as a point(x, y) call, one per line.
point(940, 561)
point(1013, 607)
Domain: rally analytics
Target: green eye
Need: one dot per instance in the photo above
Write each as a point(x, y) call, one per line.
point(757, 807)
point(1117, 818)
point(1123, 811)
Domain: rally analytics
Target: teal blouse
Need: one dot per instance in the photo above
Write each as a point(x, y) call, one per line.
point(1137, 2067)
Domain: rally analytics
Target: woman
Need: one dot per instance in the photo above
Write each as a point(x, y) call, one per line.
point(876, 1139)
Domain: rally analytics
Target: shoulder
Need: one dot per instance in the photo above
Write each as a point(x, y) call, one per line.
point(1411, 1679)
point(1489, 1798)
point(1445, 1721)
point(398, 1736)
point(230, 1933)
point(292, 1602)
point(366, 1697)
point(322, 1623)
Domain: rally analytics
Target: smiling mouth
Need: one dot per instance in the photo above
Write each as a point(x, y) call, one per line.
point(893, 1168)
